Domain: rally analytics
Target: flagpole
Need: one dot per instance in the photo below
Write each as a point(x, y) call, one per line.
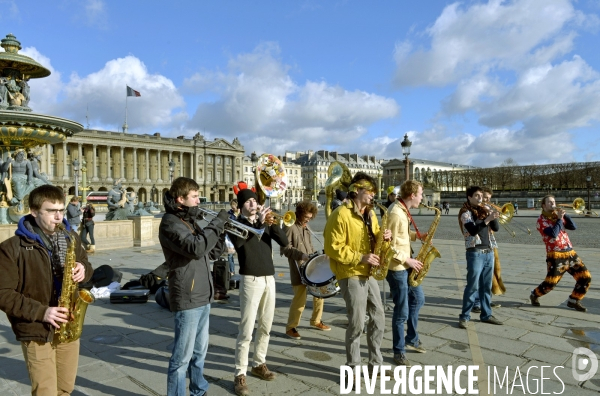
point(125, 125)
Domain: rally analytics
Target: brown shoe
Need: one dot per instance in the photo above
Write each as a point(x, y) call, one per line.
point(293, 333)
point(534, 300)
point(241, 389)
point(321, 326)
point(263, 372)
point(576, 306)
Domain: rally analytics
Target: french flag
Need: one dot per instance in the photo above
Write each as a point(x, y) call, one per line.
point(132, 92)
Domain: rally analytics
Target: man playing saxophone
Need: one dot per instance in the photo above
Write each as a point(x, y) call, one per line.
point(350, 236)
point(408, 300)
point(32, 266)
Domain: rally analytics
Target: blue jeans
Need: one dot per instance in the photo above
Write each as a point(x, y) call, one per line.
point(480, 268)
point(231, 263)
point(189, 352)
point(408, 301)
point(88, 228)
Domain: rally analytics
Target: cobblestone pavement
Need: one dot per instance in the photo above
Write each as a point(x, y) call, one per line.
point(125, 348)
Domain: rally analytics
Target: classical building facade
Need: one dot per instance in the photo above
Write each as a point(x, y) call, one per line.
point(439, 173)
point(141, 162)
point(314, 165)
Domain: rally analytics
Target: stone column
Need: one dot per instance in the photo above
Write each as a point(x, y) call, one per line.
point(65, 175)
point(159, 175)
point(135, 166)
point(79, 152)
point(181, 173)
point(148, 166)
point(94, 156)
point(122, 160)
point(49, 172)
point(109, 176)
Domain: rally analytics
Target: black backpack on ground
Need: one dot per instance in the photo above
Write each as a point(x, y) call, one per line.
point(152, 280)
point(103, 276)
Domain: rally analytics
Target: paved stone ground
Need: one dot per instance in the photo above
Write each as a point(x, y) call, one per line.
point(125, 348)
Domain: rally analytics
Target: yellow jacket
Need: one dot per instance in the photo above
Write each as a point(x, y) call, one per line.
point(399, 224)
point(347, 240)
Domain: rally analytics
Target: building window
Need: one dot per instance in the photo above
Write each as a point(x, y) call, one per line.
point(218, 176)
point(219, 160)
point(228, 176)
point(53, 169)
point(209, 159)
point(209, 176)
point(228, 160)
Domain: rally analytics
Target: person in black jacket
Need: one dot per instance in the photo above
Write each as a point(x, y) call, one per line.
point(187, 249)
point(257, 287)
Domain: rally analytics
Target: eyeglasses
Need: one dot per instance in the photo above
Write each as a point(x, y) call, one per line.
point(54, 212)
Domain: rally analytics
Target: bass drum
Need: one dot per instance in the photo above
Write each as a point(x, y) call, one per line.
point(317, 276)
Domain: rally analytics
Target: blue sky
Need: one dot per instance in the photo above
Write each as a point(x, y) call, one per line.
point(472, 82)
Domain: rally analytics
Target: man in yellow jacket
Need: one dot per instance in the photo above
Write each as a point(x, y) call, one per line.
point(350, 235)
point(408, 300)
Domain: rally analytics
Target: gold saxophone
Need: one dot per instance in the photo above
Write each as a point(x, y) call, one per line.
point(428, 252)
point(383, 249)
point(75, 300)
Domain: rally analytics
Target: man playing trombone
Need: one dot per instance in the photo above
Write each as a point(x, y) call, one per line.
point(477, 223)
point(497, 284)
point(560, 256)
point(297, 251)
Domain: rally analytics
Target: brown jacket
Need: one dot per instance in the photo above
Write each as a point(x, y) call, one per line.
point(26, 284)
point(299, 244)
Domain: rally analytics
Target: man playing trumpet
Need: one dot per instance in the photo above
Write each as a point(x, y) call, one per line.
point(350, 235)
point(560, 256)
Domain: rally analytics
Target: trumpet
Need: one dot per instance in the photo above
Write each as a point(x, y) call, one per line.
point(234, 227)
point(288, 219)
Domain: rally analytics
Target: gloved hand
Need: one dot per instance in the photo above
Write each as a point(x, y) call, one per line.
point(223, 215)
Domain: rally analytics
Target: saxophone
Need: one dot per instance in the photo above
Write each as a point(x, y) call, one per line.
point(71, 297)
point(428, 252)
point(383, 249)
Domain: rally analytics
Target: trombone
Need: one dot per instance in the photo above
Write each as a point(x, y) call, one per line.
point(234, 227)
point(578, 206)
point(288, 219)
point(506, 214)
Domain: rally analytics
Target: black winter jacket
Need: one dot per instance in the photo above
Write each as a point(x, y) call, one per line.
point(255, 256)
point(188, 249)
point(27, 284)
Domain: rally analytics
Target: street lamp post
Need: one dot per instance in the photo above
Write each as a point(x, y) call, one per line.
point(484, 181)
point(171, 170)
point(406, 152)
point(589, 183)
point(76, 172)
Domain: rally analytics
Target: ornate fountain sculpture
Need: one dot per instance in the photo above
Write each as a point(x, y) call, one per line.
point(22, 132)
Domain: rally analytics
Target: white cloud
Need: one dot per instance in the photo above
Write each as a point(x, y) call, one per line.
point(10, 10)
point(506, 64)
point(103, 93)
point(259, 102)
point(95, 13)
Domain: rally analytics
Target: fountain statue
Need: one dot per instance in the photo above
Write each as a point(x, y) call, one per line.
point(22, 132)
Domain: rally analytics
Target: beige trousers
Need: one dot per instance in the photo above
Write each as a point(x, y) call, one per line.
point(297, 307)
point(52, 367)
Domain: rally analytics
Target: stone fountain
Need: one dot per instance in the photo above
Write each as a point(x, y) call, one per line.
point(22, 132)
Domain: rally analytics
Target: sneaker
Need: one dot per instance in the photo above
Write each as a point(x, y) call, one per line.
point(293, 334)
point(534, 300)
point(495, 305)
point(418, 348)
point(263, 372)
point(401, 360)
point(476, 310)
point(462, 323)
point(320, 326)
point(241, 389)
point(577, 306)
point(492, 320)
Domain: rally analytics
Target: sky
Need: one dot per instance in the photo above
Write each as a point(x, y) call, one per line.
point(470, 82)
